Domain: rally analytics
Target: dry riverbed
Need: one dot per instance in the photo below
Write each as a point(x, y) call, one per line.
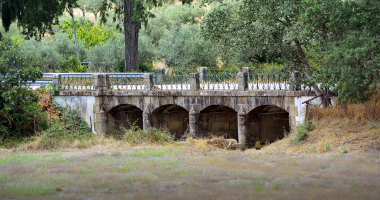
point(183, 171)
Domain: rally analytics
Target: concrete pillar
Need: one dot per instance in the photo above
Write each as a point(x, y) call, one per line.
point(242, 81)
point(56, 79)
point(194, 81)
point(100, 123)
point(293, 112)
point(242, 129)
point(148, 82)
point(100, 81)
point(147, 118)
point(203, 72)
point(293, 80)
point(193, 123)
point(248, 71)
point(160, 72)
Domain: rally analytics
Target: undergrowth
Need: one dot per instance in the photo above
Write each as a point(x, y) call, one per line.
point(302, 131)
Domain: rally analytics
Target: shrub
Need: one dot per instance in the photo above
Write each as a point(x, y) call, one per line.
point(18, 103)
point(301, 132)
point(71, 64)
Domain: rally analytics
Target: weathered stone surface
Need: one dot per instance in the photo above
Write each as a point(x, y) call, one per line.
point(160, 72)
point(100, 81)
point(242, 81)
point(194, 81)
point(148, 81)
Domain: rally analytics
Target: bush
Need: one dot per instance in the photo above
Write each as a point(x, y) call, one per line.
point(18, 103)
point(144, 67)
point(153, 135)
point(66, 47)
point(72, 64)
point(302, 131)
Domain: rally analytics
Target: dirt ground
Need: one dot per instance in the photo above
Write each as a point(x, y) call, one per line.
point(183, 170)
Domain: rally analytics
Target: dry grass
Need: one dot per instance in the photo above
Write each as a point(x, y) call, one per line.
point(183, 171)
point(351, 127)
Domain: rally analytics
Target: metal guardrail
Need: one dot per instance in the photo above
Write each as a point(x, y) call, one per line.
point(173, 82)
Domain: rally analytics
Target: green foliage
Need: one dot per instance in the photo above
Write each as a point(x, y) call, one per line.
point(18, 103)
point(302, 130)
point(91, 35)
point(34, 16)
point(69, 127)
point(144, 67)
point(46, 53)
point(183, 46)
point(72, 64)
point(153, 135)
point(66, 48)
point(103, 57)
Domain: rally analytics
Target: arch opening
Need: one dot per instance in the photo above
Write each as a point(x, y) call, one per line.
point(124, 116)
point(172, 118)
point(218, 120)
point(266, 124)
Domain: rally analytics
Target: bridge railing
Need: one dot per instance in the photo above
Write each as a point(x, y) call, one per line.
point(126, 81)
point(201, 78)
point(270, 79)
point(219, 81)
point(172, 82)
point(76, 81)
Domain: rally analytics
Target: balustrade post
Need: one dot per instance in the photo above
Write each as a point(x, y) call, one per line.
point(56, 79)
point(194, 81)
point(293, 80)
point(101, 81)
point(242, 130)
point(193, 123)
point(147, 119)
point(160, 73)
point(242, 81)
point(203, 72)
point(148, 82)
point(248, 70)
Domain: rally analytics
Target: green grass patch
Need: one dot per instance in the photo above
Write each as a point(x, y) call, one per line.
point(17, 159)
point(16, 190)
point(4, 178)
point(146, 153)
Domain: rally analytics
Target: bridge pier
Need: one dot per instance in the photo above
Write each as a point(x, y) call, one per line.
point(192, 123)
point(147, 118)
point(242, 126)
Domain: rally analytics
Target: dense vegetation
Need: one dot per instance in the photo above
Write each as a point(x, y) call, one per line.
point(335, 43)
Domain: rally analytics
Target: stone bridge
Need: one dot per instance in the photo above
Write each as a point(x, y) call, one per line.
point(247, 115)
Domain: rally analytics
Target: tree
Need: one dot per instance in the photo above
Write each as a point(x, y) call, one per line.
point(133, 13)
point(93, 6)
point(35, 17)
point(341, 36)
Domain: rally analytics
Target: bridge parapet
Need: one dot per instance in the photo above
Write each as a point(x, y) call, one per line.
point(203, 78)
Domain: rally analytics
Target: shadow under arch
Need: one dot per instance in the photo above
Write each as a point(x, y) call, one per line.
point(172, 118)
point(218, 120)
point(123, 116)
point(266, 124)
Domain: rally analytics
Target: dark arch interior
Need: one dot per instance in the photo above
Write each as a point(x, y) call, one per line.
point(124, 116)
point(218, 120)
point(266, 124)
point(172, 118)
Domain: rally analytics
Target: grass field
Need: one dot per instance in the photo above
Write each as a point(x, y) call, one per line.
point(183, 171)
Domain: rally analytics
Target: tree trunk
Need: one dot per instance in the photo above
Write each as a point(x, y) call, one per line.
point(131, 31)
point(96, 15)
point(306, 65)
point(84, 13)
point(75, 33)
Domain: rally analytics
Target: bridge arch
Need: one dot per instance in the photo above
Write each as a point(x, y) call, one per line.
point(124, 115)
point(218, 120)
point(172, 118)
point(265, 124)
